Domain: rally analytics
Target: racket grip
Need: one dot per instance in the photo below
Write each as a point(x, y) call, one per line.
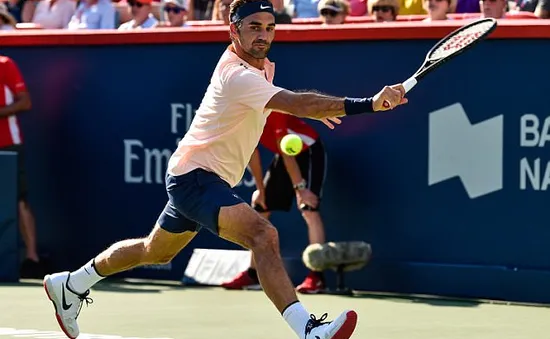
point(409, 84)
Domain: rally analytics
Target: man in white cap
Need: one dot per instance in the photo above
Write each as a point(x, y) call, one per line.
point(175, 13)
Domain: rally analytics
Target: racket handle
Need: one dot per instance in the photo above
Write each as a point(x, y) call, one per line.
point(409, 84)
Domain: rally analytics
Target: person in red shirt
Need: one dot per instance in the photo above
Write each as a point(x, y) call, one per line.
point(15, 99)
point(302, 176)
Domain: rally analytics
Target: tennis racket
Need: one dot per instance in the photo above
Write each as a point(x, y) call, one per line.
point(449, 47)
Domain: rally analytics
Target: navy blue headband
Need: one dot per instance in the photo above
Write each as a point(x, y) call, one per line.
point(250, 8)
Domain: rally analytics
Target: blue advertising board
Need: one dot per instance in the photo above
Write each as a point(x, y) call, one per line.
point(9, 220)
point(450, 189)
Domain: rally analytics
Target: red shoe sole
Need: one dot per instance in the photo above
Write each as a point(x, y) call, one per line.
point(56, 314)
point(348, 327)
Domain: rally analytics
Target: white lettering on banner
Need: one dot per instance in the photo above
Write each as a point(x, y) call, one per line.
point(128, 157)
point(530, 134)
point(474, 152)
point(534, 174)
point(160, 160)
point(143, 165)
point(15, 333)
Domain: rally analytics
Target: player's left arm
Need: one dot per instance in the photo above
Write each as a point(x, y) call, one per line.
point(22, 99)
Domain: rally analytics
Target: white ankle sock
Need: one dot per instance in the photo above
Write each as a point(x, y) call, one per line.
point(297, 317)
point(84, 278)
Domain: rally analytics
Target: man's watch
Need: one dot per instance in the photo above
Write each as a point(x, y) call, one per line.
point(300, 186)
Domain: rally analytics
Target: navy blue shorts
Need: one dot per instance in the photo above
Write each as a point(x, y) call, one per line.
point(195, 200)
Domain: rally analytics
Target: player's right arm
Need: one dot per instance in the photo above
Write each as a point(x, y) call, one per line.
point(320, 106)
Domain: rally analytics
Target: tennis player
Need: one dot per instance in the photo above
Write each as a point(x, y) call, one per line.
point(208, 162)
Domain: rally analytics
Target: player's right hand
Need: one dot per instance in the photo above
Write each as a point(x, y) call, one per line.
point(389, 98)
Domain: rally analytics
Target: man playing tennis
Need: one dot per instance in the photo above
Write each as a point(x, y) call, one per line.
point(209, 161)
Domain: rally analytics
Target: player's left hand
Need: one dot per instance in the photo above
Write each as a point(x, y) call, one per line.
point(329, 122)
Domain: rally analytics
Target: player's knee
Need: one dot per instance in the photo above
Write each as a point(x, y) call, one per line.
point(265, 237)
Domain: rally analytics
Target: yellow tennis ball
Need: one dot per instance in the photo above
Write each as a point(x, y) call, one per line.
point(291, 144)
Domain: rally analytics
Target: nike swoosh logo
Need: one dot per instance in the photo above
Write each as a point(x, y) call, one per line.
point(266, 7)
point(64, 301)
point(317, 337)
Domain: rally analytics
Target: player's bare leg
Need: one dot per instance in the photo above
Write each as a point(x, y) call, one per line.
point(266, 216)
point(248, 279)
point(160, 247)
point(242, 225)
point(68, 290)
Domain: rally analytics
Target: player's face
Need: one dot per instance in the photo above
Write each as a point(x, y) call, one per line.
point(256, 34)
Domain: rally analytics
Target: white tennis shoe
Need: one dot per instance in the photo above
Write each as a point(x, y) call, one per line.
point(340, 328)
point(66, 301)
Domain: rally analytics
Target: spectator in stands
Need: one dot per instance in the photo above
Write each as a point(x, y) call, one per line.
point(175, 13)
point(438, 9)
point(467, 6)
point(14, 100)
point(94, 14)
point(141, 15)
point(7, 21)
point(306, 8)
point(493, 8)
point(21, 10)
point(221, 11)
point(411, 7)
point(54, 14)
point(281, 14)
point(333, 12)
point(383, 10)
point(358, 7)
point(541, 8)
point(202, 9)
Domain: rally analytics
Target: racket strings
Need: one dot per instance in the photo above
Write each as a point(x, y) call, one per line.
point(461, 40)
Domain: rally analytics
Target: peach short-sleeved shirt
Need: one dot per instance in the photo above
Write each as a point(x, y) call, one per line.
point(229, 121)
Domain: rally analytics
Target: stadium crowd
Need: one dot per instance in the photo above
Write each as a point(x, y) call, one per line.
point(140, 14)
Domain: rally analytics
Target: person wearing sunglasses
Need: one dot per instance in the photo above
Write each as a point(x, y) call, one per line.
point(438, 9)
point(333, 12)
point(141, 15)
point(383, 10)
point(174, 13)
